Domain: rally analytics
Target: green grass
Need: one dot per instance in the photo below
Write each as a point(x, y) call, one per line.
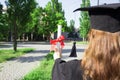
point(10, 54)
point(42, 72)
point(82, 42)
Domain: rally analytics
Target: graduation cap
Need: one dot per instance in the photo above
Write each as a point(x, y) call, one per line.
point(104, 17)
point(73, 51)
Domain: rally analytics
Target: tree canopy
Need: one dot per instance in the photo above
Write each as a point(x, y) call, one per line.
point(24, 17)
point(53, 15)
point(84, 20)
point(19, 14)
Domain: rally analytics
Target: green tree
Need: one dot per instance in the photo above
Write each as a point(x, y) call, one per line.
point(3, 24)
point(72, 24)
point(54, 15)
point(4, 27)
point(71, 29)
point(84, 20)
point(1, 6)
point(19, 14)
point(59, 15)
point(33, 27)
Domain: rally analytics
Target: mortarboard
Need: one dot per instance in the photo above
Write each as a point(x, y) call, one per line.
point(104, 17)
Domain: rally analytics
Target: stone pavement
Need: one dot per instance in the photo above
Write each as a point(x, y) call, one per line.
point(16, 68)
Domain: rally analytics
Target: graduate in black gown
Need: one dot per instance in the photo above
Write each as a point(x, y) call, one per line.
point(102, 56)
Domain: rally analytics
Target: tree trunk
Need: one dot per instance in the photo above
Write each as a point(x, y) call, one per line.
point(27, 38)
point(83, 39)
point(11, 38)
point(43, 37)
point(15, 37)
point(52, 35)
point(31, 36)
point(23, 37)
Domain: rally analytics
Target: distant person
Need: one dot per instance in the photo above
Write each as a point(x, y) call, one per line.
point(102, 56)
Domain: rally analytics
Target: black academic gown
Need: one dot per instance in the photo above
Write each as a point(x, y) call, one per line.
point(70, 70)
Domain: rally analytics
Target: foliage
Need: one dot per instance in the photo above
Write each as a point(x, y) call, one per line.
point(82, 42)
point(20, 10)
point(53, 15)
point(18, 15)
point(72, 24)
point(3, 27)
point(9, 54)
point(1, 6)
point(42, 72)
point(84, 20)
point(72, 32)
point(23, 17)
point(49, 56)
point(44, 21)
point(3, 24)
point(34, 25)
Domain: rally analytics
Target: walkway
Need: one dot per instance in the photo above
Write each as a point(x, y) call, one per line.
point(15, 69)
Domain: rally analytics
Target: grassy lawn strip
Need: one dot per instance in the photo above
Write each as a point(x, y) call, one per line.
point(82, 42)
point(43, 72)
point(9, 54)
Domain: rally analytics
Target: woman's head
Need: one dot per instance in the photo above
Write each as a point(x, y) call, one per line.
point(102, 57)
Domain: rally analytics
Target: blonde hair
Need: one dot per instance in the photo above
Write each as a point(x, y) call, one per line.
point(102, 57)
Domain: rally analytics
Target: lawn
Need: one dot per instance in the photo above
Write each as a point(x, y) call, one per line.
point(82, 42)
point(43, 72)
point(10, 54)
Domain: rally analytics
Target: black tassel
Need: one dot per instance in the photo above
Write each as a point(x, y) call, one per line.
point(73, 51)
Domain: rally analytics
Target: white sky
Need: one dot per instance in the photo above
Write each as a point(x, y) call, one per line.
point(70, 5)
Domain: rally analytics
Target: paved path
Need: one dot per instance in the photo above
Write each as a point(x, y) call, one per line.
point(15, 69)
